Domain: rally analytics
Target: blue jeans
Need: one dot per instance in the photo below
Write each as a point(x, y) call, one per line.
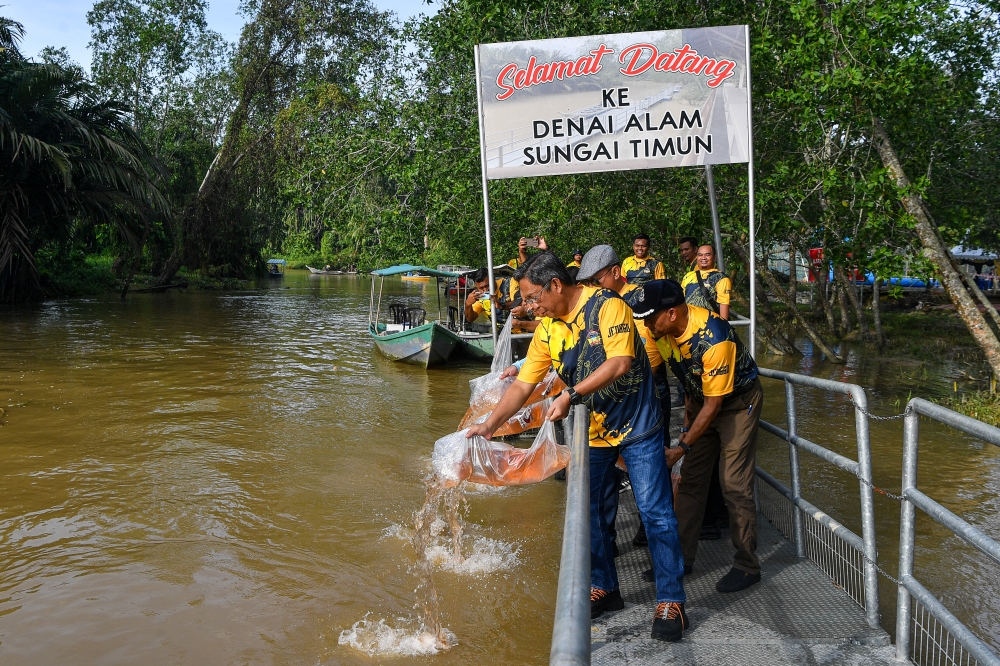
point(647, 469)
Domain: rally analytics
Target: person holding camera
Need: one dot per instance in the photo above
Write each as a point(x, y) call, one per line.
point(537, 242)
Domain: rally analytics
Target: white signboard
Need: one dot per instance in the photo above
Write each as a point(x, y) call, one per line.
point(643, 100)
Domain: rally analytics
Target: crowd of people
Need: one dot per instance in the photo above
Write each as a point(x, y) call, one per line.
point(611, 328)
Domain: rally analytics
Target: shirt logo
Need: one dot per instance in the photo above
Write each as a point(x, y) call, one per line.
point(722, 370)
point(619, 328)
point(594, 338)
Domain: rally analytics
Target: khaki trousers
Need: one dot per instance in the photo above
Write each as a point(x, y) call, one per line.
point(732, 435)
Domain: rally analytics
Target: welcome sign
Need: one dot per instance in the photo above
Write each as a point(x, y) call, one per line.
point(642, 100)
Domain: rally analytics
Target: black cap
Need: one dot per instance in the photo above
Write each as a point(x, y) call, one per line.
point(656, 295)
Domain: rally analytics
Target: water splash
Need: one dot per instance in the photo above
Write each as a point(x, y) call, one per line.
point(379, 638)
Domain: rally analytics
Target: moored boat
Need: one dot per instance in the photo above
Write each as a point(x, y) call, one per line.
point(276, 267)
point(317, 271)
point(406, 335)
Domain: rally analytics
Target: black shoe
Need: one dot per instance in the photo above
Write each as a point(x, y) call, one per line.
point(710, 533)
point(650, 577)
point(669, 621)
point(736, 580)
point(640, 537)
point(601, 601)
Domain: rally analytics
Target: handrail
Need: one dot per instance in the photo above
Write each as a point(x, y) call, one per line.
point(571, 632)
point(908, 585)
point(862, 468)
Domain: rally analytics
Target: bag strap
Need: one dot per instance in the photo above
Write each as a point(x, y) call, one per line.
point(705, 292)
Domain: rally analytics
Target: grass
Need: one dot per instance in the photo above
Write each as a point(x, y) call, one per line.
point(979, 405)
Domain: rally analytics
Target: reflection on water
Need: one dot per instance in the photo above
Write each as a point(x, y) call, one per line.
point(231, 478)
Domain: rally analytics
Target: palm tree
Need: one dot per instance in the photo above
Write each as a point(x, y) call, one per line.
point(67, 158)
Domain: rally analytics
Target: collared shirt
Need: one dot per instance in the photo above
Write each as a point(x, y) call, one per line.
point(599, 327)
point(573, 264)
point(639, 271)
point(507, 290)
point(708, 357)
point(630, 292)
point(718, 285)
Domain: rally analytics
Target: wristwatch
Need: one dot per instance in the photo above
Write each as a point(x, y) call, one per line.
point(684, 446)
point(574, 397)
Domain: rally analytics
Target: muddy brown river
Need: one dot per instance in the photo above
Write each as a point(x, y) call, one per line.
point(231, 478)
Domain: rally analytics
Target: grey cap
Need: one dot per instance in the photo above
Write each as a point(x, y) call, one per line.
point(597, 258)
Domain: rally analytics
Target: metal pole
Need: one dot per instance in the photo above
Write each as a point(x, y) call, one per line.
point(716, 229)
point(793, 464)
point(907, 518)
point(867, 506)
point(753, 241)
point(486, 199)
point(571, 632)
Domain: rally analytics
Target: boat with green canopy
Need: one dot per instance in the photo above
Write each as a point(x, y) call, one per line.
point(406, 335)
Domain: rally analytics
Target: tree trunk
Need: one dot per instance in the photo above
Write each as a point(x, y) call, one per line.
point(793, 274)
point(877, 313)
point(772, 283)
point(775, 340)
point(937, 253)
point(822, 277)
point(970, 282)
point(847, 285)
point(838, 296)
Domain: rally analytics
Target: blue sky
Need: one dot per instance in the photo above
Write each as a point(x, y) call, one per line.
point(64, 22)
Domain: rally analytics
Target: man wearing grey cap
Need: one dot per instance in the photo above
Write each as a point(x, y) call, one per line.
point(724, 399)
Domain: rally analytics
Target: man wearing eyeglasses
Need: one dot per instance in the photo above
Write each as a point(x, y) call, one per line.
point(589, 336)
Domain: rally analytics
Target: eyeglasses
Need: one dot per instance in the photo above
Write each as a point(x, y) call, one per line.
point(596, 279)
point(531, 300)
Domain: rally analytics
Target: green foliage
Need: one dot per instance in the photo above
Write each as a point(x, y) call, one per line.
point(68, 161)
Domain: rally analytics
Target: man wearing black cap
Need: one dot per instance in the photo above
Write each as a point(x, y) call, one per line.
point(589, 336)
point(724, 398)
point(577, 258)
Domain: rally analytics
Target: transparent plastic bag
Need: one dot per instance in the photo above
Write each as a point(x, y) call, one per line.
point(480, 408)
point(457, 458)
point(675, 477)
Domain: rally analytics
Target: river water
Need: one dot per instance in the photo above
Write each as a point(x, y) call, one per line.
point(232, 477)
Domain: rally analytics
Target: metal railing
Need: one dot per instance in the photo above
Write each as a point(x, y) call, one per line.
point(571, 632)
point(841, 553)
point(930, 633)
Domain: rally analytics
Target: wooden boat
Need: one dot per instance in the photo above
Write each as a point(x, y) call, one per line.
point(276, 267)
point(426, 346)
point(408, 337)
point(316, 271)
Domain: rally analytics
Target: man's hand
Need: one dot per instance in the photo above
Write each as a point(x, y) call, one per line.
point(559, 408)
point(473, 296)
point(522, 244)
point(673, 455)
point(480, 429)
point(542, 245)
point(509, 372)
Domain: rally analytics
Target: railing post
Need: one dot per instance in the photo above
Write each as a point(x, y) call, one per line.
point(867, 505)
point(907, 518)
point(571, 633)
point(793, 465)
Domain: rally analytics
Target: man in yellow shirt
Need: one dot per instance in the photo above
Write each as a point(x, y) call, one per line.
point(707, 287)
point(641, 267)
point(600, 268)
point(577, 258)
point(589, 336)
point(724, 399)
point(479, 302)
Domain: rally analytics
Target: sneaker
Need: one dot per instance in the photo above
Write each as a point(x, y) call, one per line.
point(669, 621)
point(650, 577)
point(640, 537)
point(710, 533)
point(736, 580)
point(602, 600)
